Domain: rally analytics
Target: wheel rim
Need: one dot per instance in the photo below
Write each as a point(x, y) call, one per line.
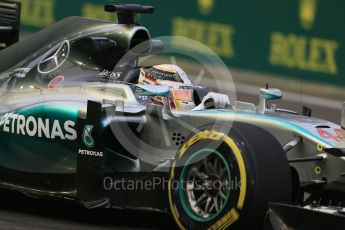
point(206, 185)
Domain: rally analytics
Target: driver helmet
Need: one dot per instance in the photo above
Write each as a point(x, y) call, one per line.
point(181, 88)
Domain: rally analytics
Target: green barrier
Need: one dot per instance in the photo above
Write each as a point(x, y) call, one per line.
point(298, 38)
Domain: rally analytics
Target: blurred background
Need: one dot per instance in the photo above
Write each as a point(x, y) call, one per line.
point(294, 45)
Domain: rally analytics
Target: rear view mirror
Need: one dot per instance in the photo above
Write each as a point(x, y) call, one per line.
point(270, 94)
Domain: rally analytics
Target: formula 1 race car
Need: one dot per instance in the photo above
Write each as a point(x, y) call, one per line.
point(75, 124)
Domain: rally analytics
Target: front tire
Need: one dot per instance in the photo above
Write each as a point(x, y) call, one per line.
point(220, 180)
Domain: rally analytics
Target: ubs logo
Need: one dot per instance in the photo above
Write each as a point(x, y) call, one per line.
point(54, 58)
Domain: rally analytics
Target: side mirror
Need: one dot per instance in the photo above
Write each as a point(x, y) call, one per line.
point(270, 94)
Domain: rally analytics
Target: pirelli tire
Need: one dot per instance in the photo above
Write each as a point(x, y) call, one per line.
point(257, 172)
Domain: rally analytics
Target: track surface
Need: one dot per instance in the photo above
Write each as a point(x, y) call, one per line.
point(18, 212)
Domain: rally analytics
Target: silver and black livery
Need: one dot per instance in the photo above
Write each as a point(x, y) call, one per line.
point(75, 125)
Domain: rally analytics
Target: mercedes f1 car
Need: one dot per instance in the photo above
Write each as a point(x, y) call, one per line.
point(76, 125)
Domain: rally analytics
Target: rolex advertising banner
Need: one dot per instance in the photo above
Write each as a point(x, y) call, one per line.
point(294, 38)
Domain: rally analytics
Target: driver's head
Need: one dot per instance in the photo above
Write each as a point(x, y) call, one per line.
point(166, 74)
point(181, 88)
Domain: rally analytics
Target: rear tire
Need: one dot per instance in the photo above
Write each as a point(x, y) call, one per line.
point(220, 180)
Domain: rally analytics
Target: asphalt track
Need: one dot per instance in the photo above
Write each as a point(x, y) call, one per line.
point(18, 212)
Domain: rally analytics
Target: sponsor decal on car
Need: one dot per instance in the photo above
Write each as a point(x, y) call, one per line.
point(38, 127)
point(90, 153)
point(89, 142)
point(55, 82)
point(331, 134)
point(108, 75)
point(54, 58)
